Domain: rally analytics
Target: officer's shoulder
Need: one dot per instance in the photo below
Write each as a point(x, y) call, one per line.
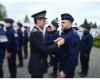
point(35, 29)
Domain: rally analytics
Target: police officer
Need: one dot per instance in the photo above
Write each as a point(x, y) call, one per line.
point(68, 53)
point(48, 35)
point(20, 40)
point(25, 42)
point(48, 41)
point(54, 56)
point(39, 50)
point(3, 41)
point(86, 46)
point(12, 46)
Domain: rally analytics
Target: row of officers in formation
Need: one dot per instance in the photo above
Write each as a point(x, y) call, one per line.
point(63, 49)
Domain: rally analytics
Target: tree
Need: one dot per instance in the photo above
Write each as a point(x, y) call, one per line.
point(85, 22)
point(75, 24)
point(57, 20)
point(3, 12)
point(91, 24)
point(26, 20)
point(94, 25)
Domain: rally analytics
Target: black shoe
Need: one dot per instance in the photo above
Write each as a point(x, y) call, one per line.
point(83, 75)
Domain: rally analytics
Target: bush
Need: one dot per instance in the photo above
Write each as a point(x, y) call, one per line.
point(96, 42)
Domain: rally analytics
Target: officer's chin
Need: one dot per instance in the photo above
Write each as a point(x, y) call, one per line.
point(62, 28)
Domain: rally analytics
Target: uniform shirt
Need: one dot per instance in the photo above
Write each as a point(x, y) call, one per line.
point(3, 41)
point(25, 40)
point(20, 37)
point(86, 42)
point(68, 53)
point(39, 51)
point(12, 36)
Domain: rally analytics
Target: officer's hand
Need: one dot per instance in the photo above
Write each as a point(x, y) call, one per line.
point(61, 74)
point(57, 39)
point(61, 42)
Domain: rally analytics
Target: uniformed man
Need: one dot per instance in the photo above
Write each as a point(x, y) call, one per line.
point(3, 41)
point(86, 46)
point(20, 40)
point(50, 35)
point(39, 50)
point(25, 43)
point(68, 53)
point(12, 46)
point(54, 56)
point(48, 40)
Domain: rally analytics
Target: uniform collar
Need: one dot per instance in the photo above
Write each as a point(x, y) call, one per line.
point(86, 33)
point(66, 30)
point(9, 27)
point(54, 31)
point(39, 29)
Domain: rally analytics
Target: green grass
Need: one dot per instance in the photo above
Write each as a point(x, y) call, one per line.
point(96, 42)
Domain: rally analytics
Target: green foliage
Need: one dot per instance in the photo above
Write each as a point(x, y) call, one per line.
point(97, 41)
point(2, 12)
point(26, 20)
point(94, 25)
point(85, 22)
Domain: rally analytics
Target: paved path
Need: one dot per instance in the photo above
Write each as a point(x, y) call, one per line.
point(94, 70)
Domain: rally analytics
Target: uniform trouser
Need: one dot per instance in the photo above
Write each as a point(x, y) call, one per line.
point(71, 72)
point(12, 64)
point(2, 52)
point(1, 71)
point(55, 65)
point(84, 59)
point(20, 57)
point(26, 50)
point(38, 76)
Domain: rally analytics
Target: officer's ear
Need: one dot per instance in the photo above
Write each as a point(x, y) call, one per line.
point(71, 23)
point(36, 21)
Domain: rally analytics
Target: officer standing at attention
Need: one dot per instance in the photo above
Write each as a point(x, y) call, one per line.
point(86, 46)
point(20, 40)
point(48, 35)
point(3, 41)
point(54, 56)
point(25, 42)
point(39, 50)
point(12, 46)
point(48, 39)
point(68, 53)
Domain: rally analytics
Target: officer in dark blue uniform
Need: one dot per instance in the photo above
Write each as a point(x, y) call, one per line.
point(86, 46)
point(20, 40)
point(48, 35)
point(12, 46)
point(54, 56)
point(48, 39)
point(39, 50)
point(3, 41)
point(25, 43)
point(68, 53)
